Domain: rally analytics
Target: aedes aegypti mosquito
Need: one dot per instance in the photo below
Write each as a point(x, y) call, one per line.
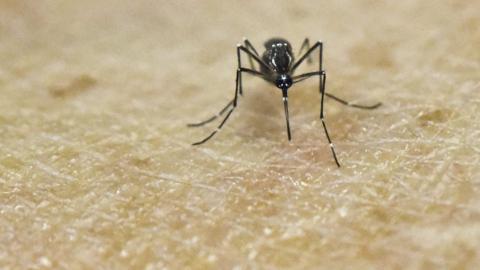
point(277, 66)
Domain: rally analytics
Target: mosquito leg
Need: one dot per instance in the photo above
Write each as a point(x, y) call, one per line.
point(323, 79)
point(318, 45)
point(239, 85)
point(346, 103)
point(322, 90)
point(239, 58)
point(253, 56)
point(305, 76)
point(305, 44)
point(238, 89)
point(219, 127)
point(213, 117)
point(323, 82)
point(233, 105)
point(249, 46)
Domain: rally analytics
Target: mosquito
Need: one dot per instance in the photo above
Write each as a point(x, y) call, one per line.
point(277, 66)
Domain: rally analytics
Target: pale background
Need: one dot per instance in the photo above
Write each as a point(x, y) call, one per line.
point(97, 171)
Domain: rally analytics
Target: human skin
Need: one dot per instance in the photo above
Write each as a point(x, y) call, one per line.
point(97, 170)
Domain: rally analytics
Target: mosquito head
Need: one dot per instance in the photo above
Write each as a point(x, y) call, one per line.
point(283, 81)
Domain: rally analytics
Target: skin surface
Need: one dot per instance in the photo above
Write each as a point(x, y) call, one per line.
point(97, 170)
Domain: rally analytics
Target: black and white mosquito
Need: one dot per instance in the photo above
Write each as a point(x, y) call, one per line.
point(277, 66)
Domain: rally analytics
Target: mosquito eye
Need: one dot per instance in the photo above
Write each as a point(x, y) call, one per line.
point(279, 82)
point(288, 81)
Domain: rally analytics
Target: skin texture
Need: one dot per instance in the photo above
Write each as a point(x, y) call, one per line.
point(97, 170)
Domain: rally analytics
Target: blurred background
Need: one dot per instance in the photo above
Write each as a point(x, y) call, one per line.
point(97, 168)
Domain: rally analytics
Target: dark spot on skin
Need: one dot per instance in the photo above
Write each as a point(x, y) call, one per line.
point(435, 116)
point(12, 163)
point(76, 86)
point(299, 12)
point(3, 120)
point(140, 162)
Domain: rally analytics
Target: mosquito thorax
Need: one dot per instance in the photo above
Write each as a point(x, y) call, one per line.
point(278, 56)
